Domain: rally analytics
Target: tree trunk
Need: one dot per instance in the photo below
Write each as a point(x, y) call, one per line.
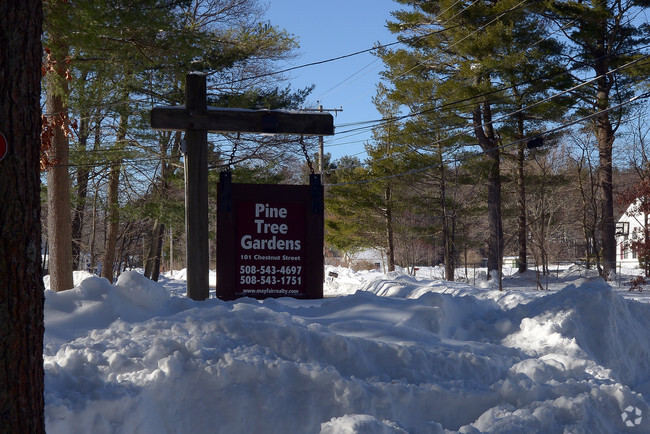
point(605, 138)
point(156, 271)
point(589, 219)
point(154, 255)
point(447, 229)
point(585, 226)
point(59, 222)
point(450, 250)
point(495, 244)
point(646, 240)
point(522, 230)
point(113, 220)
point(112, 196)
point(389, 229)
point(93, 234)
point(82, 175)
point(125, 249)
point(608, 224)
point(542, 240)
point(152, 267)
point(21, 279)
point(484, 132)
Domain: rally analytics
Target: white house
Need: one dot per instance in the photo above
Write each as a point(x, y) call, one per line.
point(372, 257)
point(625, 227)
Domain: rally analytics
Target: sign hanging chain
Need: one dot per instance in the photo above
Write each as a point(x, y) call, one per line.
point(232, 153)
point(304, 150)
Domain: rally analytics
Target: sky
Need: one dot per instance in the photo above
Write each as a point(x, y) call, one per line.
point(328, 29)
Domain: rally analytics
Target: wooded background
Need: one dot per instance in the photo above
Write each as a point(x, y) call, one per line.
point(508, 129)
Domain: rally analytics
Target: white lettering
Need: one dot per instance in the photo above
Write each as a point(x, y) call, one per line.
point(248, 242)
point(259, 207)
point(274, 228)
point(269, 212)
point(292, 258)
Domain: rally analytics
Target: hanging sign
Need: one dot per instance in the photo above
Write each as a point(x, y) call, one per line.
point(269, 240)
point(4, 147)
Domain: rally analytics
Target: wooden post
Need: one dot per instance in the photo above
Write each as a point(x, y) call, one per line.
point(196, 191)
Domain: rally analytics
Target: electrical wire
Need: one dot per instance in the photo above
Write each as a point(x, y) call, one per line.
point(328, 91)
point(387, 45)
point(470, 129)
point(483, 152)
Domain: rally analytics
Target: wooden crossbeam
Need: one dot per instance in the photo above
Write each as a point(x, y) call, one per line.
point(228, 120)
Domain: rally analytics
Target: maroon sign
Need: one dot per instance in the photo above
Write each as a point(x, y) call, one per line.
point(269, 241)
point(3, 146)
point(271, 248)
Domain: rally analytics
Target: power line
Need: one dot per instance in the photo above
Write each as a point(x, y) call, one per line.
point(458, 160)
point(586, 82)
point(327, 92)
point(376, 47)
point(482, 95)
point(469, 130)
point(305, 65)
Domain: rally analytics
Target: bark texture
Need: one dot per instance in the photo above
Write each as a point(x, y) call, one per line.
point(21, 280)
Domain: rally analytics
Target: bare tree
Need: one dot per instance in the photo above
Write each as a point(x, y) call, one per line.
point(587, 182)
point(546, 202)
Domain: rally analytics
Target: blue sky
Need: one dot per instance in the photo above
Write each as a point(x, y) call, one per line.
point(327, 29)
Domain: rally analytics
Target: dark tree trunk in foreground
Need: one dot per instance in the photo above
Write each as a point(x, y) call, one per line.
point(21, 280)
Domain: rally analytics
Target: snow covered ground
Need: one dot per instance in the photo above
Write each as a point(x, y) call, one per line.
point(381, 354)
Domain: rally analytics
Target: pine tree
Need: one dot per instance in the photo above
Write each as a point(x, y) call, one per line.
point(141, 49)
point(604, 36)
point(365, 210)
point(343, 229)
point(476, 66)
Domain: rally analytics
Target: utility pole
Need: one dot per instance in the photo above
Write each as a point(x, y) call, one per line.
point(320, 148)
point(321, 153)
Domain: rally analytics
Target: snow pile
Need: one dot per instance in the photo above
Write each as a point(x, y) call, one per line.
point(388, 354)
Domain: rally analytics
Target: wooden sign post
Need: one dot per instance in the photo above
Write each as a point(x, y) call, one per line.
point(197, 119)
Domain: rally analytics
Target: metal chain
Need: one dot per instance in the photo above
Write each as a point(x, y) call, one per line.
point(304, 150)
point(234, 149)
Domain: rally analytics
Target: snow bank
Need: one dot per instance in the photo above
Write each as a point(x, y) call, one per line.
point(398, 354)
